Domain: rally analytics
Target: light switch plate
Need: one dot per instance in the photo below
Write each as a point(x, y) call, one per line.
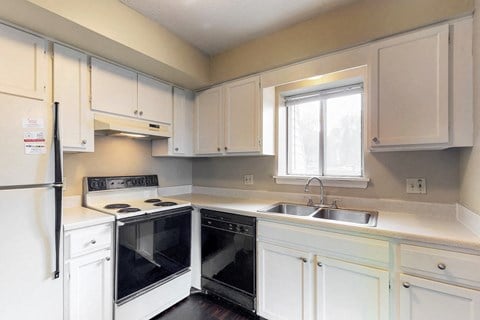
point(417, 185)
point(248, 179)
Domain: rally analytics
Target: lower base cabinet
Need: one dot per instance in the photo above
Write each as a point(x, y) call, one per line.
point(422, 299)
point(297, 285)
point(89, 287)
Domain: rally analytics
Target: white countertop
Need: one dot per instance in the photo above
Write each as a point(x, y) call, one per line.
point(403, 226)
point(75, 216)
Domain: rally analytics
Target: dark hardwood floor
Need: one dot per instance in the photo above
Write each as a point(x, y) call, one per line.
point(199, 306)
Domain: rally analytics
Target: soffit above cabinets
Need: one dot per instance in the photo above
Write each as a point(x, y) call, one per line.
point(217, 25)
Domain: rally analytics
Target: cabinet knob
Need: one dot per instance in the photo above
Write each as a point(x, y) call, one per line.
point(406, 285)
point(375, 140)
point(218, 149)
point(135, 112)
point(93, 241)
point(176, 149)
point(304, 260)
point(107, 258)
point(84, 142)
point(441, 266)
point(226, 148)
point(319, 264)
point(141, 113)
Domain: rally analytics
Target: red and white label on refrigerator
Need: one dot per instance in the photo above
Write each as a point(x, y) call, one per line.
point(34, 142)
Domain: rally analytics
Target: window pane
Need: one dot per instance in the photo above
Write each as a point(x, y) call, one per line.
point(304, 139)
point(343, 136)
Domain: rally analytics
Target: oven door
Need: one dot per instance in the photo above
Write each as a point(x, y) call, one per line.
point(150, 250)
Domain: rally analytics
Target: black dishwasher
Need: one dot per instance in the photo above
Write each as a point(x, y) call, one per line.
point(228, 257)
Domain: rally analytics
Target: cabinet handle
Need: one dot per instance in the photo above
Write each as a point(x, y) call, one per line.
point(441, 266)
point(406, 285)
point(84, 142)
point(93, 241)
point(141, 113)
point(135, 112)
point(176, 149)
point(218, 149)
point(107, 258)
point(226, 148)
point(304, 260)
point(375, 140)
point(319, 264)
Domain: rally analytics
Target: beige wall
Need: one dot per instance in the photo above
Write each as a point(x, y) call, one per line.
point(357, 23)
point(112, 30)
point(470, 158)
point(387, 172)
point(123, 156)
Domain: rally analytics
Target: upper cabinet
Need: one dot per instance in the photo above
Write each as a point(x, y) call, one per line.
point(123, 92)
point(420, 90)
point(231, 119)
point(26, 79)
point(181, 142)
point(71, 90)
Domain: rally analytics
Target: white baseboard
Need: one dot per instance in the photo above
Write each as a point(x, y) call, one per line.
point(469, 219)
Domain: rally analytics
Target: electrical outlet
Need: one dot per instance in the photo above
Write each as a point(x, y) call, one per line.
point(248, 179)
point(416, 185)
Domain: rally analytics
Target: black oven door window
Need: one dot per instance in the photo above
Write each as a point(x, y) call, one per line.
point(150, 249)
point(228, 257)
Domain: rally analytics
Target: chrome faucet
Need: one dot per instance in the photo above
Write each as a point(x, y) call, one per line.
point(322, 194)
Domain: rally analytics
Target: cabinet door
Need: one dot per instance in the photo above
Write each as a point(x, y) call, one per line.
point(422, 299)
point(182, 122)
point(242, 116)
point(347, 291)
point(89, 287)
point(23, 64)
point(114, 89)
point(209, 122)
point(284, 278)
point(154, 100)
point(409, 89)
point(70, 89)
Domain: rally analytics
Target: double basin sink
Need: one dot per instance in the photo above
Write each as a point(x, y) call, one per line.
point(349, 216)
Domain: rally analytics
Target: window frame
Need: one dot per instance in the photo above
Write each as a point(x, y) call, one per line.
point(334, 80)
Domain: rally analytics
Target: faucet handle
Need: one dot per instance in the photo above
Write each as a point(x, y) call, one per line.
point(334, 204)
point(310, 202)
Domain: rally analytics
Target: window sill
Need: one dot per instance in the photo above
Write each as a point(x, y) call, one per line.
point(338, 182)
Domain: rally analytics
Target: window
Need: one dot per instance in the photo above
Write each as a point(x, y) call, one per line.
point(324, 132)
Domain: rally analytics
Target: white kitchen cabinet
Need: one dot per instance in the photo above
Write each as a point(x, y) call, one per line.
point(88, 276)
point(348, 291)
point(114, 89)
point(420, 89)
point(242, 116)
point(303, 273)
point(71, 90)
point(208, 124)
point(154, 100)
point(233, 119)
point(422, 299)
point(23, 63)
point(181, 142)
point(284, 283)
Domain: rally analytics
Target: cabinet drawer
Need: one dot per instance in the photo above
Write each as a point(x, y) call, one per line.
point(81, 241)
point(440, 264)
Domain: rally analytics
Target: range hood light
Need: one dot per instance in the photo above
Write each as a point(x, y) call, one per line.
point(131, 135)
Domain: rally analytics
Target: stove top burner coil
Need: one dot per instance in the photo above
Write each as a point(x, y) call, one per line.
point(153, 200)
point(126, 210)
point(117, 206)
point(165, 204)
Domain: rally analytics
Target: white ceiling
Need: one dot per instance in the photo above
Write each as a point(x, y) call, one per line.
point(216, 25)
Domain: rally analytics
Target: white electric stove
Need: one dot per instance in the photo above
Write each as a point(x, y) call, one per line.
point(152, 243)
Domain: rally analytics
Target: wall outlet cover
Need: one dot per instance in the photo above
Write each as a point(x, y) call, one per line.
point(417, 185)
point(248, 179)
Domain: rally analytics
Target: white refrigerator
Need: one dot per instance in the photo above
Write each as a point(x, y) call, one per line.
point(31, 282)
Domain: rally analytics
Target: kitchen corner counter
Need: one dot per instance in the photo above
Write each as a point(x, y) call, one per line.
point(75, 216)
point(401, 226)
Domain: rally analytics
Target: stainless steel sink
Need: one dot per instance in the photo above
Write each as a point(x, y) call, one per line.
point(347, 215)
point(291, 209)
point(350, 216)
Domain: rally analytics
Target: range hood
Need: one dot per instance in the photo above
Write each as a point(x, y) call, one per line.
point(118, 126)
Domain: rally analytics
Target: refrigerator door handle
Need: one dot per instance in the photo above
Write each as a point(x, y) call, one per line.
point(58, 186)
